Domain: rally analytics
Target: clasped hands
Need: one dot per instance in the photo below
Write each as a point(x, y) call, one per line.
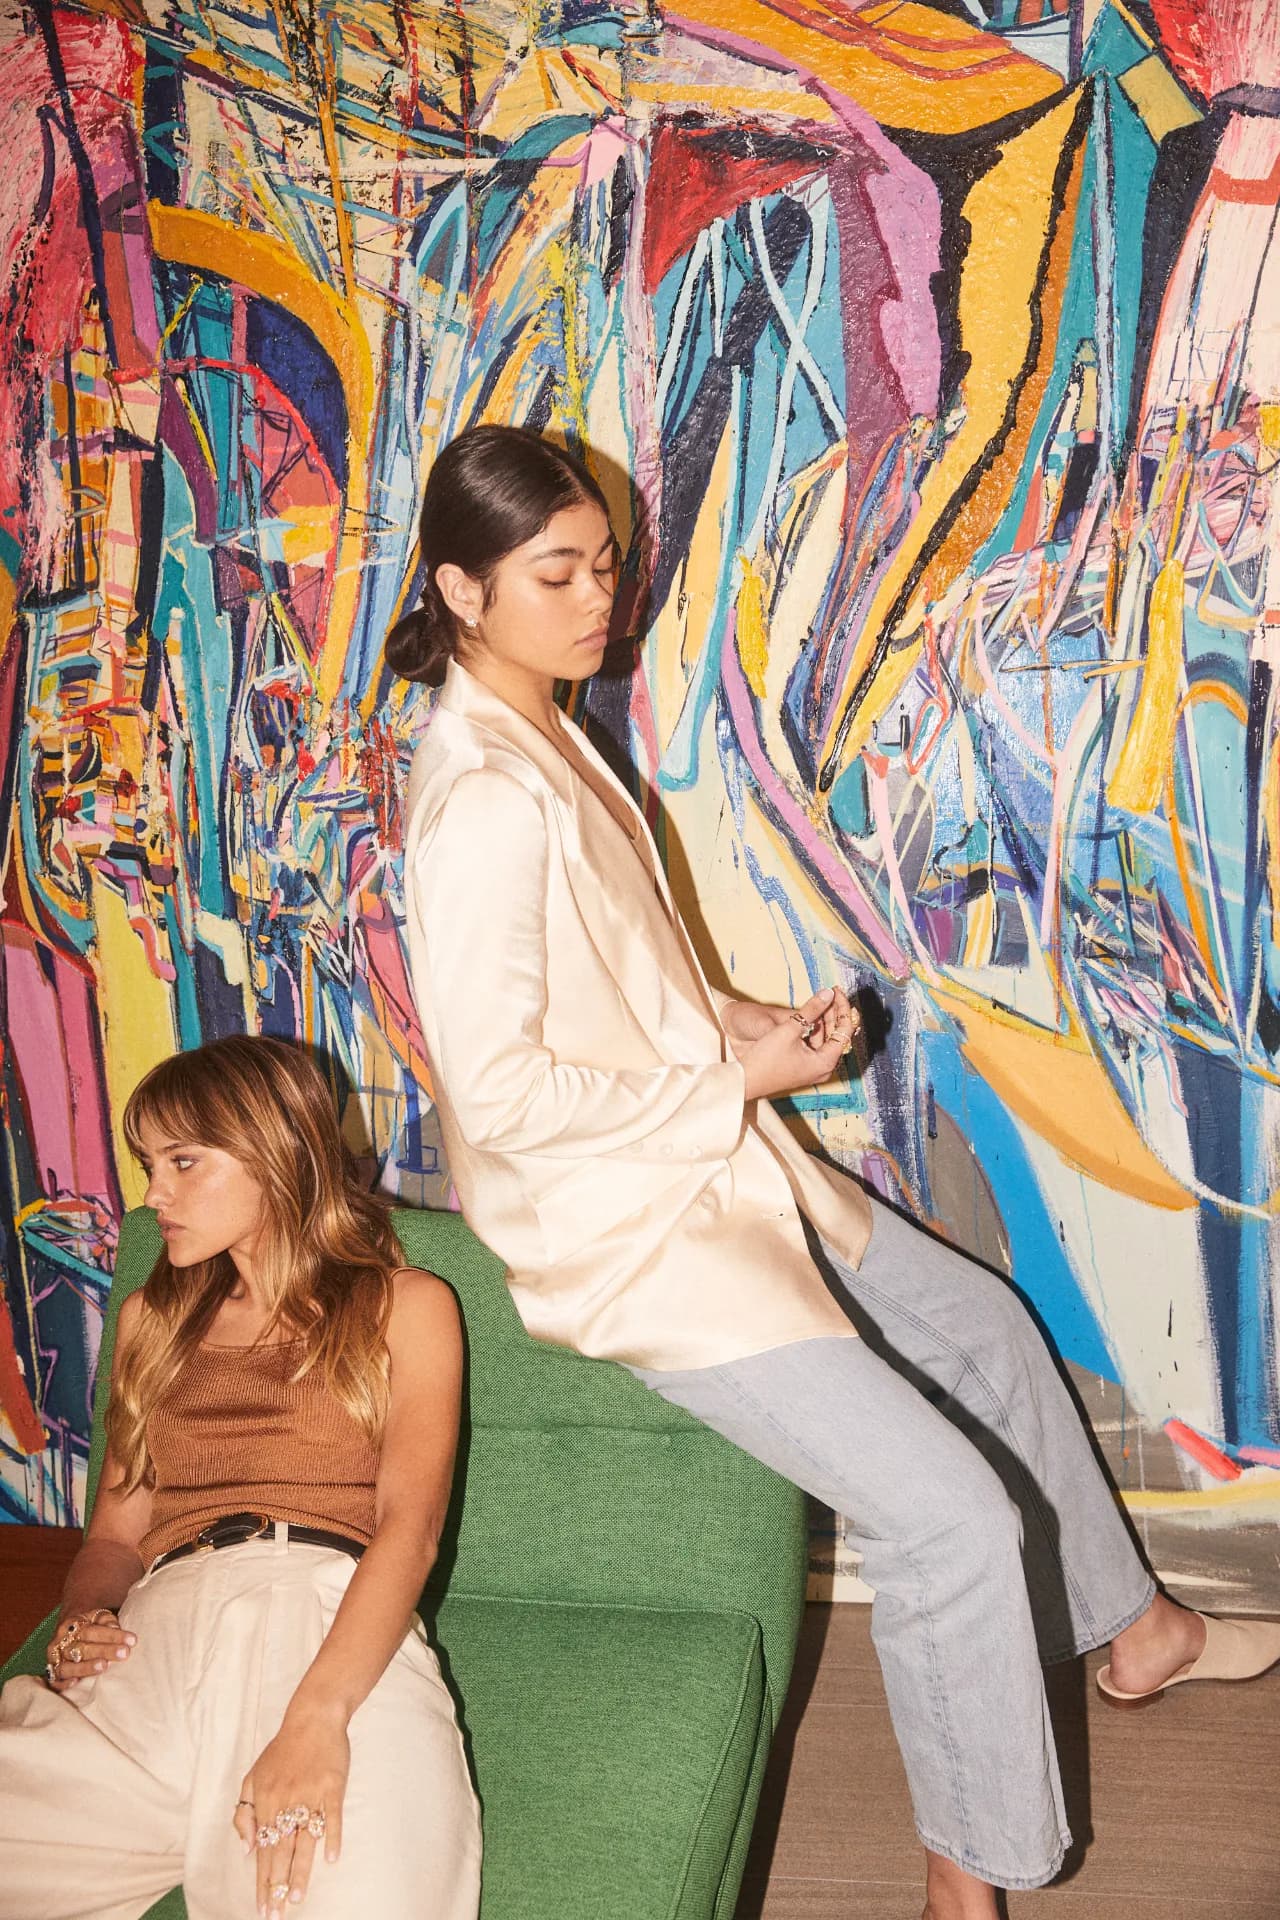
point(784, 1049)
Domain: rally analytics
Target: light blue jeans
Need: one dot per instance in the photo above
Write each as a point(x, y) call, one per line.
point(993, 1542)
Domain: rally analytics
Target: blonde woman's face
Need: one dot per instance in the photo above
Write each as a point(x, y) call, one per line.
point(207, 1202)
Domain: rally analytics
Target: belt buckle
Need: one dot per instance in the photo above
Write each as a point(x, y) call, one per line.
point(207, 1540)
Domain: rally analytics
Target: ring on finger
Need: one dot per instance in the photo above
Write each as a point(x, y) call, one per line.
point(315, 1826)
point(268, 1836)
point(280, 1891)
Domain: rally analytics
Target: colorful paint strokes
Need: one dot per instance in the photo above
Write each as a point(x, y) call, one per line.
point(927, 357)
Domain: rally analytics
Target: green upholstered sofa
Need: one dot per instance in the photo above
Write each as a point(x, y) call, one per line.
point(616, 1607)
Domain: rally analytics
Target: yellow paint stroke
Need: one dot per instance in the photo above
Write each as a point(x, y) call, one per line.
point(564, 266)
point(8, 607)
point(1143, 762)
point(980, 927)
point(907, 65)
point(1193, 890)
point(265, 266)
point(1010, 300)
point(683, 625)
point(1054, 1083)
point(137, 1019)
point(326, 109)
point(1158, 98)
point(753, 629)
point(1240, 1493)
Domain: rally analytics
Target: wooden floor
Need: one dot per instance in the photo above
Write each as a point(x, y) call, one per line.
point(1175, 1809)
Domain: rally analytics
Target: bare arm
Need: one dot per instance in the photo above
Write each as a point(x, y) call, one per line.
point(306, 1763)
point(107, 1564)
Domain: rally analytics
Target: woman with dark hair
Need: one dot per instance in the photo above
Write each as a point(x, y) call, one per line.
point(607, 1122)
point(240, 1697)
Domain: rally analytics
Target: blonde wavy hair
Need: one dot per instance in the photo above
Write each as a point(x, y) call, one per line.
point(328, 1251)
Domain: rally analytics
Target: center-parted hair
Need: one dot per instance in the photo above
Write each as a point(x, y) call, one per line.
point(489, 491)
point(328, 1252)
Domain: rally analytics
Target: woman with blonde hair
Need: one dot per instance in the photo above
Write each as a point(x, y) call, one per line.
point(239, 1695)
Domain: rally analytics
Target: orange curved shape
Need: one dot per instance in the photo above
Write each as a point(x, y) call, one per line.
point(906, 65)
point(1053, 1082)
point(267, 267)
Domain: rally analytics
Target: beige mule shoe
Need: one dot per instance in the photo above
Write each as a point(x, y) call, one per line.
point(1233, 1650)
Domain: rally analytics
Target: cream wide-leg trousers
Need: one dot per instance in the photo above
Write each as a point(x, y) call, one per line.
point(125, 1786)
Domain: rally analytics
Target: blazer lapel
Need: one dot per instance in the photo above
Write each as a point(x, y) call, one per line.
point(629, 917)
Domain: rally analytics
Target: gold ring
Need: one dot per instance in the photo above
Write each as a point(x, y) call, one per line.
point(280, 1891)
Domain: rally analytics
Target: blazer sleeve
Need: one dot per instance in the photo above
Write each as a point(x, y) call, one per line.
point(478, 886)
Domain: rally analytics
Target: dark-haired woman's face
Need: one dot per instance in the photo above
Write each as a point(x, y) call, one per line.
point(549, 601)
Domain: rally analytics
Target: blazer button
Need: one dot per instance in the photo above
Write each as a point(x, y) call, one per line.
point(668, 1150)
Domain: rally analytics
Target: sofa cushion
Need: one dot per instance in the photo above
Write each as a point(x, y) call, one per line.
point(611, 1746)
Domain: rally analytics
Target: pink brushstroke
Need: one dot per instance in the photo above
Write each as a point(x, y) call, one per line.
point(54, 1041)
point(820, 857)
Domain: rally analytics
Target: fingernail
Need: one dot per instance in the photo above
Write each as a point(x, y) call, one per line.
point(99, 1666)
point(122, 1653)
point(132, 1639)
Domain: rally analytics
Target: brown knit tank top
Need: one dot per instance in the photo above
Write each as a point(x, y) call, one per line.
point(236, 1433)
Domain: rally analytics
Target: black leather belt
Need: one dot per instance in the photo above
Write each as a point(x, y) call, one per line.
point(233, 1529)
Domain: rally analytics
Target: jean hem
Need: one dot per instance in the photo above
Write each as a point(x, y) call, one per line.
point(1013, 1883)
point(1103, 1638)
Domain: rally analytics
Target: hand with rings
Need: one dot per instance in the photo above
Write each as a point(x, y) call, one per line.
point(836, 1021)
point(783, 1060)
point(86, 1641)
point(290, 1804)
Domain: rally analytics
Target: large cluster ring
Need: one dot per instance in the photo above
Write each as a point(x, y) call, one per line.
point(315, 1826)
point(267, 1837)
point(280, 1891)
point(289, 1819)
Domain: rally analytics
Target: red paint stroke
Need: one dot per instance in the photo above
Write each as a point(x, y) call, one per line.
point(1217, 44)
point(15, 1402)
point(1212, 1458)
point(693, 181)
point(1246, 193)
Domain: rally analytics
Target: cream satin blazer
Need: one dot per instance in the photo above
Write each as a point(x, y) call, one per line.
point(591, 1108)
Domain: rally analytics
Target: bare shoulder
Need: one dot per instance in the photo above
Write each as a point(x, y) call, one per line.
point(129, 1319)
point(421, 1303)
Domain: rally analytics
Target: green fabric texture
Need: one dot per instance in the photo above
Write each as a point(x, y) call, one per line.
point(616, 1605)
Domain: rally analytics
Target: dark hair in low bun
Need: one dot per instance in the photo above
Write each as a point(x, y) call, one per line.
point(490, 490)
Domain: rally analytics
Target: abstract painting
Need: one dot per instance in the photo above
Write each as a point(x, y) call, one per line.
point(929, 357)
